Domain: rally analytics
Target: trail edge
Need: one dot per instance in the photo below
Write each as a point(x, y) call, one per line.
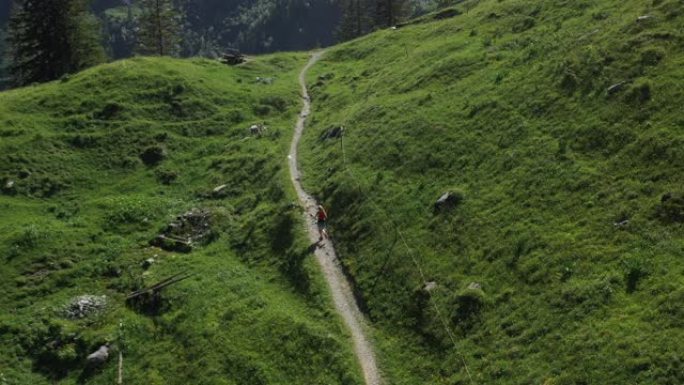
point(325, 254)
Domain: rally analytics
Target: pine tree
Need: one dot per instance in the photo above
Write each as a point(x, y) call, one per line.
point(389, 12)
point(50, 38)
point(355, 20)
point(2, 56)
point(160, 28)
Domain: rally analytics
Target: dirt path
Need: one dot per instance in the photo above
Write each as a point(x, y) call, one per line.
point(325, 255)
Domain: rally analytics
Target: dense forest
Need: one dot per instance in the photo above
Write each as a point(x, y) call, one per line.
point(4, 15)
point(209, 27)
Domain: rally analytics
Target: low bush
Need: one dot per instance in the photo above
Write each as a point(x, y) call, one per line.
point(153, 155)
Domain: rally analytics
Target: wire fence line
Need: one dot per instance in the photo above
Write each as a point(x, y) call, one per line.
point(409, 251)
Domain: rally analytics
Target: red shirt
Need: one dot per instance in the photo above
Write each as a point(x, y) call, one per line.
point(321, 215)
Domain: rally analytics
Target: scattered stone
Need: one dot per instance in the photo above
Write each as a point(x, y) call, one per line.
point(267, 81)
point(474, 286)
point(621, 224)
point(9, 186)
point(100, 356)
point(146, 264)
point(430, 286)
point(326, 77)
point(188, 229)
point(333, 133)
point(448, 201)
point(220, 192)
point(644, 18)
point(84, 306)
point(258, 129)
point(615, 88)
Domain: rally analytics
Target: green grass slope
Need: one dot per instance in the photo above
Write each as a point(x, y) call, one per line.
point(80, 203)
point(559, 126)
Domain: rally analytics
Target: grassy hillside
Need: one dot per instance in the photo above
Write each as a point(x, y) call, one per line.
point(558, 129)
point(94, 167)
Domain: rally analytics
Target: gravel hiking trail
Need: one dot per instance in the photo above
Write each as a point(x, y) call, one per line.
point(325, 254)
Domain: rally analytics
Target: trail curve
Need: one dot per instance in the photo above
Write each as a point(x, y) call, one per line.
point(340, 289)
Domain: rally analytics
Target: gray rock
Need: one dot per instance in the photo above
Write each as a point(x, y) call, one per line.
point(220, 192)
point(146, 264)
point(621, 224)
point(474, 286)
point(430, 286)
point(84, 306)
point(266, 81)
point(100, 356)
point(615, 88)
point(258, 129)
point(447, 201)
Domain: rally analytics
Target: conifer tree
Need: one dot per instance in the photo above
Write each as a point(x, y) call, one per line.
point(355, 19)
point(160, 28)
point(389, 12)
point(2, 56)
point(50, 38)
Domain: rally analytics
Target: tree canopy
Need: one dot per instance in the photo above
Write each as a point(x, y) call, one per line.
point(50, 38)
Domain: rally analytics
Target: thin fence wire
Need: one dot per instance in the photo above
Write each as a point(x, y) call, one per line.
point(409, 251)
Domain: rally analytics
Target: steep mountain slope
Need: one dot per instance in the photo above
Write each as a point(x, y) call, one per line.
point(94, 167)
point(558, 129)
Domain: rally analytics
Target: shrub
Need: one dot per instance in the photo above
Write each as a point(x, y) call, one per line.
point(262, 110)
point(586, 295)
point(129, 210)
point(635, 269)
point(639, 93)
point(30, 237)
point(671, 208)
point(109, 111)
point(165, 176)
point(83, 141)
point(652, 56)
point(153, 155)
point(467, 306)
point(523, 24)
point(277, 102)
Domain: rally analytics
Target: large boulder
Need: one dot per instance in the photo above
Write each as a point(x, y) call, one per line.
point(100, 356)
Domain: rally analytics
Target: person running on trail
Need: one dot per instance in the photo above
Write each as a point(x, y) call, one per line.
point(322, 218)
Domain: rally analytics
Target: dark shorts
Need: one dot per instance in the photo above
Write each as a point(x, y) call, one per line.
point(322, 225)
